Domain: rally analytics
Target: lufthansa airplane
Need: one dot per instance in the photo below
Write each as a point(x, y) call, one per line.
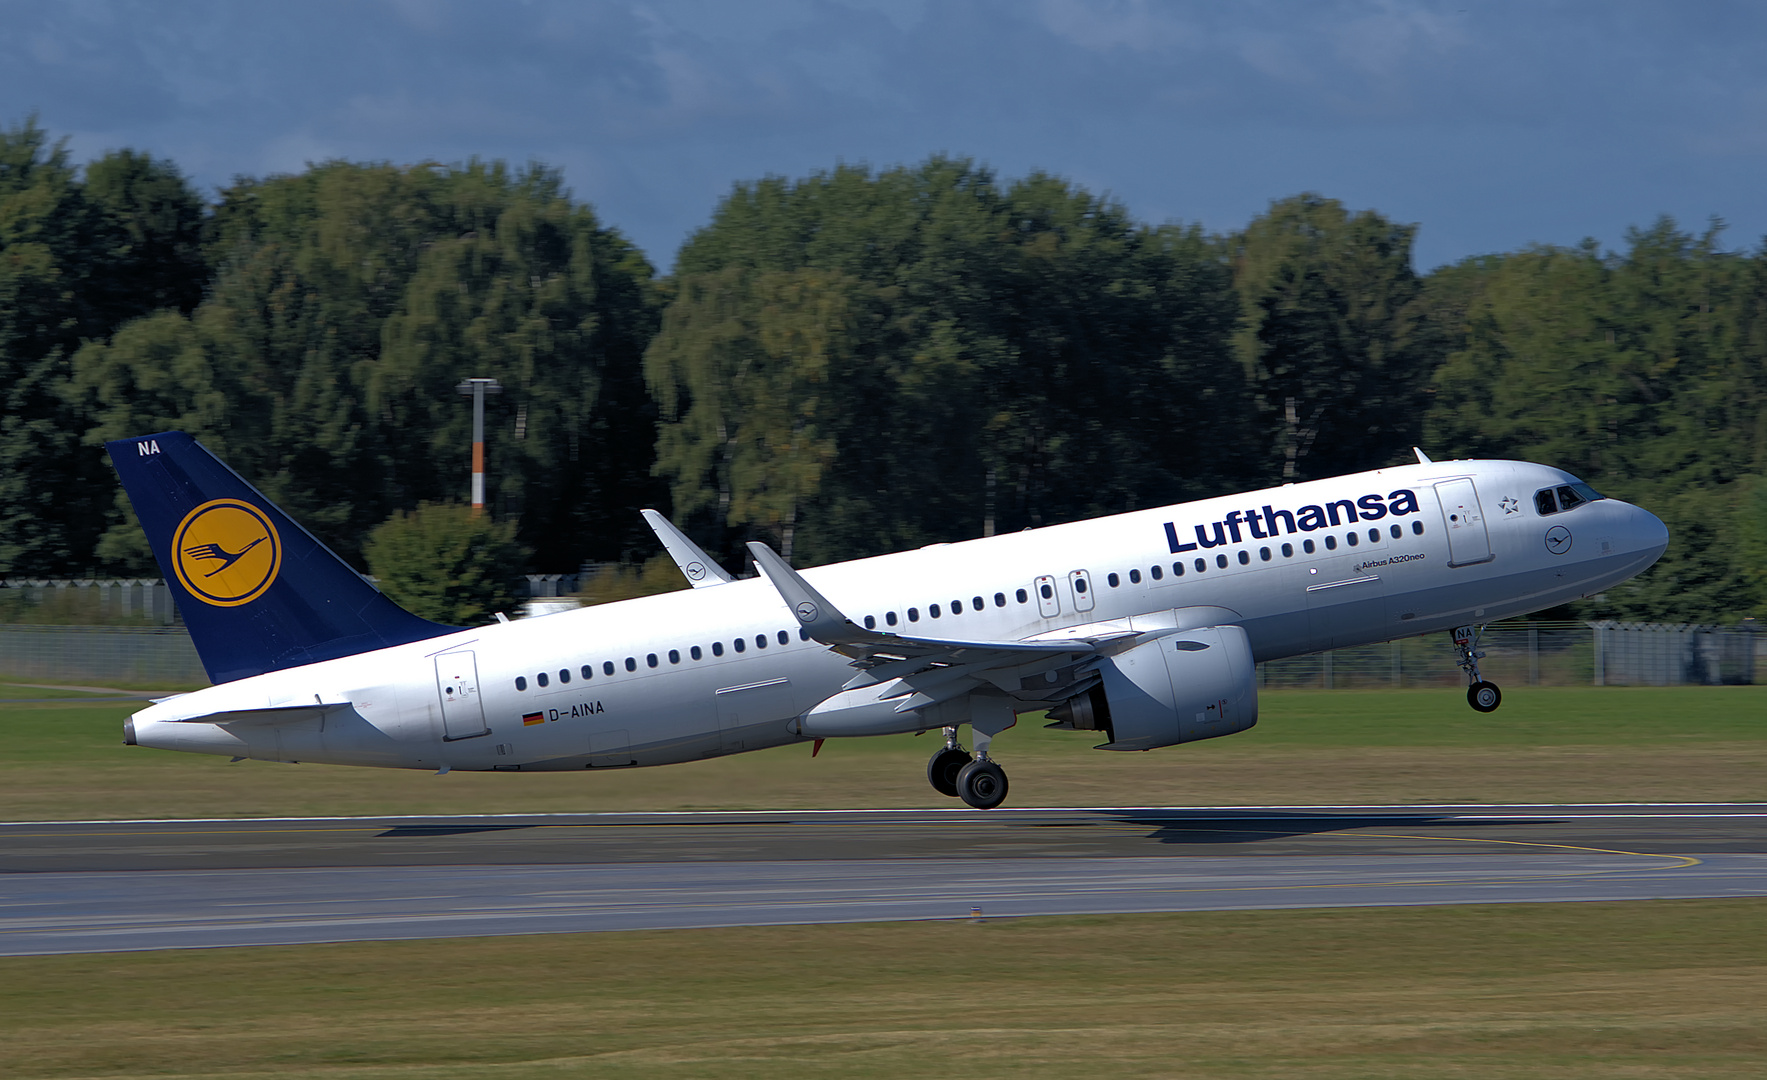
point(1141, 628)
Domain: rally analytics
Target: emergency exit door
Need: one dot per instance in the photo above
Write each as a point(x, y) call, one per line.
point(457, 683)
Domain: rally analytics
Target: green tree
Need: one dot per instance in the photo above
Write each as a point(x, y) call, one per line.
point(1335, 335)
point(943, 355)
point(447, 564)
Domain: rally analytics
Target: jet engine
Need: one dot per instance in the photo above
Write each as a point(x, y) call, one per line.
point(1195, 684)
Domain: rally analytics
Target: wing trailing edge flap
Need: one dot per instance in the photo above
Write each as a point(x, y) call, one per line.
point(699, 569)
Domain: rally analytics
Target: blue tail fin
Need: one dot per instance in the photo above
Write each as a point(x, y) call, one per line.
point(258, 592)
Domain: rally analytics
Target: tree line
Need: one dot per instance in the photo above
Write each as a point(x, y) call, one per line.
point(843, 364)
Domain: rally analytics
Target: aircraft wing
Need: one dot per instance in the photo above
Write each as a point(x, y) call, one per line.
point(700, 570)
point(911, 672)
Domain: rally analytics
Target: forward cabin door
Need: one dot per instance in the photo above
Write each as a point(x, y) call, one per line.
point(1468, 541)
point(457, 683)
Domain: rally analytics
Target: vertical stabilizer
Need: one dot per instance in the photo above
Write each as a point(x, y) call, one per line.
point(258, 592)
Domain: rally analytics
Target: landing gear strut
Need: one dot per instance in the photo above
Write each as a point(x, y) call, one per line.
point(1481, 695)
point(976, 780)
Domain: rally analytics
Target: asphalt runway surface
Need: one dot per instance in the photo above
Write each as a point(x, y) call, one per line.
point(125, 886)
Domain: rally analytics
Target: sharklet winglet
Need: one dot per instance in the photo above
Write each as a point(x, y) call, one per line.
point(696, 566)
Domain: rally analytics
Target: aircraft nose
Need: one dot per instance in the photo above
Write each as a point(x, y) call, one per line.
point(1649, 535)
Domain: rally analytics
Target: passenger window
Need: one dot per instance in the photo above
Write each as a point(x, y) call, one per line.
point(913, 614)
point(1245, 557)
point(1177, 569)
point(588, 672)
point(607, 667)
point(1374, 536)
point(784, 638)
point(1023, 597)
point(1351, 538)
point(1201, 566)
point(695, 653)
point(1396, 531)
point(1264, 554)
point(932, 609)
point(1307, 546)
point(999, 599)
point(976, 601)
point(1288, 551)
point(1331, 543)
point(956, 607)
point(650, 660)
point(1112, 579)
point(1221, 561)
point(739, 645)
point(717, 648)
point(631, 663)
point(1134, 577)
point(803, 634)
point(540, 678)
point(1417, 528)
point(760, 641)
point(890, 617)
point(674, 656)
point(1568, 498)
point(871, 622)
point(564, 676)
point(521, 683)
point(1155, 572)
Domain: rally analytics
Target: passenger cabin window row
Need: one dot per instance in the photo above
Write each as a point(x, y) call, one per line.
point(653, 660)
point(1265, 554)
point(1022, 596)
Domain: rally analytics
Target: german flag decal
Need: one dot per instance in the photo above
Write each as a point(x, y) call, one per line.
point(530, 719)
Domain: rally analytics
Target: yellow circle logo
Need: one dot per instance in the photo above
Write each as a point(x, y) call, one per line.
point(226, 552)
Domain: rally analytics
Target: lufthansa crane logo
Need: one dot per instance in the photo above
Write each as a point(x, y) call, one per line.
point(226, 552)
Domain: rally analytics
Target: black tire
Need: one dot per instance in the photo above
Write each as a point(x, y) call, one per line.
point(982, 784)
point(1484, 696)
point(942, 770)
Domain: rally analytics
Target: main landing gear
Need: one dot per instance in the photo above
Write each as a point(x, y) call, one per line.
point(1481, 695)
point(976, 780)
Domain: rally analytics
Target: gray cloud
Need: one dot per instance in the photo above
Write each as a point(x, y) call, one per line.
point(1493, 125)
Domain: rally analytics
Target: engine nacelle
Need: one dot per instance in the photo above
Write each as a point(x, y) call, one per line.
point(1195, 684)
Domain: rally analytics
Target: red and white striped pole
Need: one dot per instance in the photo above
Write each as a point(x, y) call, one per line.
point(477, 389)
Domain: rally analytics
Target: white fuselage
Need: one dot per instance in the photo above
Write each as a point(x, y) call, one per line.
point(516, 696)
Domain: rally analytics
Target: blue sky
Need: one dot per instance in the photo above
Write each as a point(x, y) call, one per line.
point(1491, 125)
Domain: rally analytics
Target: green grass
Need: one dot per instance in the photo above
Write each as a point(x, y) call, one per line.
point(1640, 990)
point(1679, 744)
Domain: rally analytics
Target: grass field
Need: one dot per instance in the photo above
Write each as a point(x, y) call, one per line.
point(1678, 744)
point(1639, 990)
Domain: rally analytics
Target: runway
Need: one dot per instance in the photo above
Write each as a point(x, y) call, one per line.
point(124, 886)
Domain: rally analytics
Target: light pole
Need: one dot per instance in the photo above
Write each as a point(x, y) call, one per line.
point(477, 389)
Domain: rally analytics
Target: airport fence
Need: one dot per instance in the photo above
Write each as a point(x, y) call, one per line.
point(1516, 654)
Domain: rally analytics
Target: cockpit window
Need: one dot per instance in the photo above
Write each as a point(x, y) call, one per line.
point(1564, 497)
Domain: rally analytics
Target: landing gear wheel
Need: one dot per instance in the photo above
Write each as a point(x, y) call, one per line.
point(1484, 696)
point(942, 770)
point(982, 784)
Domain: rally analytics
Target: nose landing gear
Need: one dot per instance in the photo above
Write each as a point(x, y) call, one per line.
point(1481, 695)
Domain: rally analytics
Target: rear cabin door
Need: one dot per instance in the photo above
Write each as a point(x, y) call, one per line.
point(457, 683)
point(1468, 542)
point(1048, 604)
